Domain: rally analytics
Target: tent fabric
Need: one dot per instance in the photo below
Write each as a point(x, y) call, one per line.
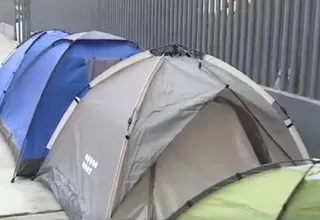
point(24, 54)
point(250, 198)
point(184, 119)
point(50, 76)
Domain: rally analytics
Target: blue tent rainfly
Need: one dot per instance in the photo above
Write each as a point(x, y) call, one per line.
point(40, 80)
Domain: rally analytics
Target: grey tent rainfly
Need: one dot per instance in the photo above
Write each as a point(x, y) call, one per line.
point(156, 130)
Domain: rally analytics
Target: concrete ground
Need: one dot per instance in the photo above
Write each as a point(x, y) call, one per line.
point(24, 199)
point(6, 47)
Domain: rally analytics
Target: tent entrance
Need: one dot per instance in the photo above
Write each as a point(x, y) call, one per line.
point(221, 140)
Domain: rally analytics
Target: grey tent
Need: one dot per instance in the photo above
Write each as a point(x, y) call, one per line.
point(156, 130)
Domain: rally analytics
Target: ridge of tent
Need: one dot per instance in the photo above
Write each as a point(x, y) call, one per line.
point(40, 35)
point(42, 31)
point(39, 57)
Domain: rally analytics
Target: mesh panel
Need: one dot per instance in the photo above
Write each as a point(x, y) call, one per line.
point(96, 67)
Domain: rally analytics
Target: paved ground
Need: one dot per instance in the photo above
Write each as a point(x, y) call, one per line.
point(24, 199)
point(6, 47)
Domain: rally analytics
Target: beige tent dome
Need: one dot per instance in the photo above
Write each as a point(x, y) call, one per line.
point(156, 130)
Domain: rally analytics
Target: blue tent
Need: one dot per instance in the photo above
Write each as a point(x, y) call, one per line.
point(43, 83)
point(25, 53)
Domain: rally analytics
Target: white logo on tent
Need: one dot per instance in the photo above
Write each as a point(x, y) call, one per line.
point(89, 164)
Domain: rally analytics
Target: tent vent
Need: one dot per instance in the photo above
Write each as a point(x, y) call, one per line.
point(127, 137)
point(95, 67)
point(227, 86)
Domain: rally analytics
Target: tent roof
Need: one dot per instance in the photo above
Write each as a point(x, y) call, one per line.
point(94, 35)
point(160, 94)
point(275, 193)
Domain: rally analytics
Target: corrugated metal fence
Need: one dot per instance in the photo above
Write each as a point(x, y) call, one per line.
point(7, 11)
point(263, 38)
point(275, 42)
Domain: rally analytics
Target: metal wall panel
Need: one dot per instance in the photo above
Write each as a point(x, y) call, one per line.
point(275, 42)
point(7, 11)
point(69, 15)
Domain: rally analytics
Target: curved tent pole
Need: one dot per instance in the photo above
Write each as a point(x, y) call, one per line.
point(14, 71)
point(38, 32)
point(41, 34)
point(34, 61)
